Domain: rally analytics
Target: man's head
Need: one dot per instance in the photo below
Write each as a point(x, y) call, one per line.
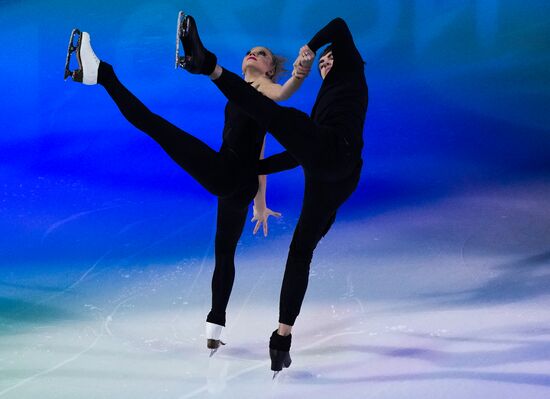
point(325, 61)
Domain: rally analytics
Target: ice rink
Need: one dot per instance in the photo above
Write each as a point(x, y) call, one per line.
point(448, 299)
point(434, 282)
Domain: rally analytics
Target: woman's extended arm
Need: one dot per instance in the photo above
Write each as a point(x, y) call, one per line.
point(277, 92)
point(260, 210)
point(259, 199)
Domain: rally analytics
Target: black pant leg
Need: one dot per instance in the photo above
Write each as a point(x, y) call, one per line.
point(205, 165)
point(321, 202)
point(230, 223)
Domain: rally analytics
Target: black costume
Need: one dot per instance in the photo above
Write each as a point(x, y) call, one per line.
point(328, 146)
point(230, 174)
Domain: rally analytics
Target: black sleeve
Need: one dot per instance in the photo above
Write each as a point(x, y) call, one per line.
point(343, 46)
point(276, 163)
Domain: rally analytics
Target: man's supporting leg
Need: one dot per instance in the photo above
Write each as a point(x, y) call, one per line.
point(321, 202)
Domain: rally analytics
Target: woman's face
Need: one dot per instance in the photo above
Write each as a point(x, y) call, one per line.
point(325, 64)
point(260, 59)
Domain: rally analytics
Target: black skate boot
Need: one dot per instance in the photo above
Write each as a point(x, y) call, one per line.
point(88, 63)
point(213, 333)
point(279, 351)
point(197, 59)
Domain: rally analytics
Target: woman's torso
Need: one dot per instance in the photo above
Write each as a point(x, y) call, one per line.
point(242, 136)
point(241, 146)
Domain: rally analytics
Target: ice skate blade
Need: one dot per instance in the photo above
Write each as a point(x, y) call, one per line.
point(181, 31)
point(213, 345)
point(275, 373)
point(180, 17)
point(70, 50)
point(214, 350)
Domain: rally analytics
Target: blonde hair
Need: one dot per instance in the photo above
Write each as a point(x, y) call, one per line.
point(278, 66)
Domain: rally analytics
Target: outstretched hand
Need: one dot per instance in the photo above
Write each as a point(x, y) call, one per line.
point(260, 217)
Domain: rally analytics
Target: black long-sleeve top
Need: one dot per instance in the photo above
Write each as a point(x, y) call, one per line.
point(343, 97)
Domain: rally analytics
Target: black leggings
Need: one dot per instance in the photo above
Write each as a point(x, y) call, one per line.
point(229, 227)
point(332, 174)
point(218, 172)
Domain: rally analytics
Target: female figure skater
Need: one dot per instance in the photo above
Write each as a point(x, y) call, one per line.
point(230, 173)
point(327, 144)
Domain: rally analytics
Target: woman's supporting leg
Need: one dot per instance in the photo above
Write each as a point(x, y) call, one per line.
point(203, 163)
point(230, 223)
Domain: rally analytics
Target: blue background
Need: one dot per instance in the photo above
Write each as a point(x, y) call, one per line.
point(459, 99)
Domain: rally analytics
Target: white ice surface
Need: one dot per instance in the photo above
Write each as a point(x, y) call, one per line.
point(448, 299)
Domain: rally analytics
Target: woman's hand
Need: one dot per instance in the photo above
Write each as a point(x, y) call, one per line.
point(261, 214)
point(298, 71)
